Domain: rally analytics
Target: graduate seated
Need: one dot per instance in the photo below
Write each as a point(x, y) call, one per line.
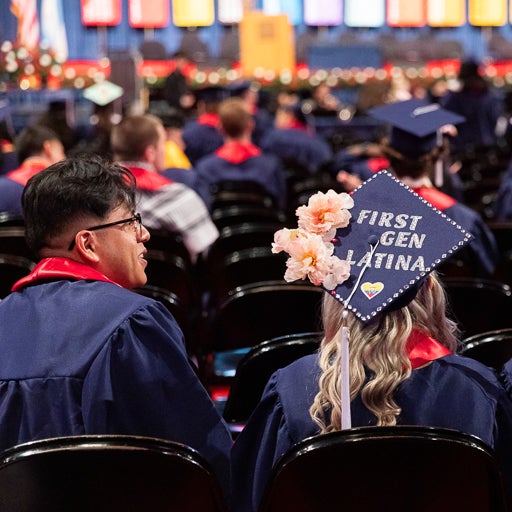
point(294, 141)
point(138, 143)
point(238, 159)
point(388, 355)
point(82, 353)
point(37, 147)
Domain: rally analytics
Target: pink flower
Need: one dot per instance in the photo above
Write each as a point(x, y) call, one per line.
point(339, 272)
point(309, 257)
point(283, 238)
point(325, 212)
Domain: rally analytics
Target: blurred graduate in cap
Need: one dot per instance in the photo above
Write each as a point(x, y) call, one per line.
point(202, 136)
point(249, 93)
point(294, 141)
point(388, 355)
point(416, 148)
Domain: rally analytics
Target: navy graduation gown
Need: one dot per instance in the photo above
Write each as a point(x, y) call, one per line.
point(297, 147)
point(451, 392)
point(265, 169)
point(90, 357)
point(201, 138)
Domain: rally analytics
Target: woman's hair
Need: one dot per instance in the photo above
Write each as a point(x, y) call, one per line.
point(378, 359)
point(73, 188)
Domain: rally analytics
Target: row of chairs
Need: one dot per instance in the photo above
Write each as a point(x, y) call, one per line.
point(412, 469)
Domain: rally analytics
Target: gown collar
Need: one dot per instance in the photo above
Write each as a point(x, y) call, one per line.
point(51, 269)
point(423, 349)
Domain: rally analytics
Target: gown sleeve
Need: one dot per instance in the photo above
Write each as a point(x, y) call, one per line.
point(142, 383)
point(257, 448)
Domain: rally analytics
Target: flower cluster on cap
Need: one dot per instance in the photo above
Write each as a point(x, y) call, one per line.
point(310, 245)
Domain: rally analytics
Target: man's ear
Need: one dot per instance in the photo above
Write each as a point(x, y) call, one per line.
point(150, 153)
point(86, 243)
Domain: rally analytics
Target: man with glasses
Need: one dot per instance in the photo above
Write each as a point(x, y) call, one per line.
point(81, 353)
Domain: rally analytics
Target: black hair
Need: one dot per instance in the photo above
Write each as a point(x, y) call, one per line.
point(30, 141)
point(70, 189)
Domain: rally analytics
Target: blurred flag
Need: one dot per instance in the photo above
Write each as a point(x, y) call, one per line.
point(53, 28)
point(28, 24)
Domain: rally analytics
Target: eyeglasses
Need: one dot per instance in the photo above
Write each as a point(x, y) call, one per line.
point(136, 218)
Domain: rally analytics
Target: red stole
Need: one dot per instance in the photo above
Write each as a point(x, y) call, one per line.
point(378, 164)
point(296, 125)
point(209, 119)
point(237, 152)
point(422, 349)
point(149, 180)
point(435, 197)
point(50, 269)
point(27, 169)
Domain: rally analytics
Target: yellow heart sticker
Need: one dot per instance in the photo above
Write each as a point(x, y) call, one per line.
point(372, 289)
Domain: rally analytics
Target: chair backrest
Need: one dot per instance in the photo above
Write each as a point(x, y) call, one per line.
point(232, 215)
point(106, 473)
point(259, 312)
point(169, 242)
point(11, 219)
point(12, 241)
point(247, 266)
point(171, 272)
point(492, 348)
point(240, 192)
point(12, 268)
point(479, 305)
point(404, 469)
point(256, 367)
point(238, 237)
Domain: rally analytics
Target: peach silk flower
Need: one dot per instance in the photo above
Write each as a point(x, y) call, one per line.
point(310, 247)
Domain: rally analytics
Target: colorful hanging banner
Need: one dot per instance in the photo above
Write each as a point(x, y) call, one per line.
point(487, 13)
point(230, 11)
point(148, 13)
point(446, 13)
point(101, 12)
point(292, 8)
point(406, 13)
point(365, 13)
point(323, 13)
point(192, 13)
point(266, 44)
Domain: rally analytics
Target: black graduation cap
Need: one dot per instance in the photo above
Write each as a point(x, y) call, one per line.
point(415, 124)
point(211, 94)
point(393, 241)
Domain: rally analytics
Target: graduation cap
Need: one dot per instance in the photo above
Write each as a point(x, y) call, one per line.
point(103, 93)
point(211, 94)
point(394, 240)
point(415, 125)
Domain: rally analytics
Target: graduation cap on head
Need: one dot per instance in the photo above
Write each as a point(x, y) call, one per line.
point(415, 125)
point(211, 94)
point(393, 241)
point(103, 93)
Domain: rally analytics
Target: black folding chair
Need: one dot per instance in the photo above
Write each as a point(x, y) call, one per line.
point(256, 367)
point(100, 473)
point(12, 268)
point(399, 469)
point(492, 348)
point(479, 305)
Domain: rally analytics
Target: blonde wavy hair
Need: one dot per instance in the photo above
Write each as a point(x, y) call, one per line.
point(380, 347)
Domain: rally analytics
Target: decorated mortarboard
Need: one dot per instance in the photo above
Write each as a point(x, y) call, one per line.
point(415, 125)
point(371, 249)
point(103, 93)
